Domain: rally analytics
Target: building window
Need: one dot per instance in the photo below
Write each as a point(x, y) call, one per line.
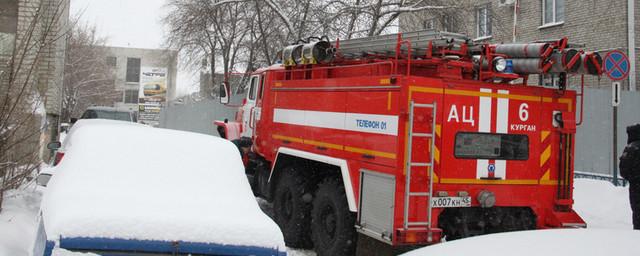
point(8, 26)
point(483, 22)
point(9, 16)
point(112, 61)
point(429, 24)
point(552, 11)
point(133, 70)
point(131, 96)
point(447, 23)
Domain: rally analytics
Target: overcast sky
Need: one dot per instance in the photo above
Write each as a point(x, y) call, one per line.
point(129, 23)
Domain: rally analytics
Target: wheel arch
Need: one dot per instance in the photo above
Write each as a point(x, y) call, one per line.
point(287, 156)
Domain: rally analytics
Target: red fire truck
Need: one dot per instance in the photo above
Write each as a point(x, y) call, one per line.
point(385, 143)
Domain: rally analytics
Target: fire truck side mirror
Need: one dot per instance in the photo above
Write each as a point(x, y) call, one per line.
point(224, 93)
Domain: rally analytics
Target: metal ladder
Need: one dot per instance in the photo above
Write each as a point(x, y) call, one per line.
point(408, 193)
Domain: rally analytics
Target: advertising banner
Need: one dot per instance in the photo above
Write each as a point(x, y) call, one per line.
point(152, 94)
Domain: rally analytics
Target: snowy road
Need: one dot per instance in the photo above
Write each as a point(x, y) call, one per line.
point(268, 209)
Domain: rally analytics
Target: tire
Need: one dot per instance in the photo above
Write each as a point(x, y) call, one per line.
point(332, 224)
point(263, 183)
point(259, 184)
point(292, 208)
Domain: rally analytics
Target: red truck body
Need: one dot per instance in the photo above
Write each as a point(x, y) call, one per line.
point(400, 133)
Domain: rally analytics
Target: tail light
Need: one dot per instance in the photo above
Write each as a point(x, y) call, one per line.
point(58, 158)
point(418, 236)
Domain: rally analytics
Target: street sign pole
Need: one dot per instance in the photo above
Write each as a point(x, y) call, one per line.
point(616, 66)
point(615, 101)
point(615, 145)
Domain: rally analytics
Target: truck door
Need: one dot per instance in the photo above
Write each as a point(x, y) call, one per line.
point(248, 113)
point(257, 111)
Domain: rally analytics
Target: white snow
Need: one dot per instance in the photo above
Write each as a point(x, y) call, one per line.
point(128, 181)
point(602, 205)
point(18, 220)
point(582, 242)
point(63, 252)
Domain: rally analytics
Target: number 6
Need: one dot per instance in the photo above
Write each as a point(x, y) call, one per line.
point(524, 112)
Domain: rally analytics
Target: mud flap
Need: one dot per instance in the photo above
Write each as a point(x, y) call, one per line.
point(568, 219)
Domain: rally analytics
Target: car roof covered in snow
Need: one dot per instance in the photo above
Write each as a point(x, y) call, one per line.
point(137, 183)
point(582, 242)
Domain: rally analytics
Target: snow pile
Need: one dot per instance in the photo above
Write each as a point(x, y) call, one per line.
point(128, 181)
point(18, 220)
point(63, 252)
point(602, 205)
point(583, 242)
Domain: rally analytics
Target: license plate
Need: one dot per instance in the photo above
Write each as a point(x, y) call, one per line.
point(451, 201)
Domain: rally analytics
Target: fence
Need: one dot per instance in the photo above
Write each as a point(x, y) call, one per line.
point(594, 138)
point(197, 115)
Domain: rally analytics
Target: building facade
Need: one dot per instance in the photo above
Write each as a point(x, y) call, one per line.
point(146, 79)
point(32, 55)
point(601, 25)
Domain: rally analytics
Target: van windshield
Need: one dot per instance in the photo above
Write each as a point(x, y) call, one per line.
point(122, 116)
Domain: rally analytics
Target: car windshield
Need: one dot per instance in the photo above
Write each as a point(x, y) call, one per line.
point(113, 115)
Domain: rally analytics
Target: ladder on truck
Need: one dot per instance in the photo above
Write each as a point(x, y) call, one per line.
point(429, 165)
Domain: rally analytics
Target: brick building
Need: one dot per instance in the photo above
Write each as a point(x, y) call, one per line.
point(601, 25)
point(32, 33)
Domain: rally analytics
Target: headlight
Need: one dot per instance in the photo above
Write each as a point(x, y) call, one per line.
point(499, 64)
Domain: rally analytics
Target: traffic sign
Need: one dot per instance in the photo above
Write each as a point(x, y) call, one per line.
point(615, 94)
point(616, 65)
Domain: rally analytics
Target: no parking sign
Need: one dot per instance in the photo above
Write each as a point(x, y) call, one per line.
point(616, 65)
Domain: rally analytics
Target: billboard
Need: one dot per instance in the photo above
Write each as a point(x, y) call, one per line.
point(152, 94)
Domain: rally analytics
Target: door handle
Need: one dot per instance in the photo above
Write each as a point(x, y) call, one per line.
point(251, 118)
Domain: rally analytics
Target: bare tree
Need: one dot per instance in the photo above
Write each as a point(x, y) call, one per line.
point(240, 35)
point(88, 77)
point(21, 94)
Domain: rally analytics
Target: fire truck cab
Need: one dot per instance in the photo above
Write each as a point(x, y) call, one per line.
point(381, 144)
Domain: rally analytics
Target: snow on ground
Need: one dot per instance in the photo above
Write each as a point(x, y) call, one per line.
point(582, 242)
point(602, 205)
point(268, 209)
point(18, 220)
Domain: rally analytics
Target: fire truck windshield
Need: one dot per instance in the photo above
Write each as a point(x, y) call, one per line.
point(492, 146)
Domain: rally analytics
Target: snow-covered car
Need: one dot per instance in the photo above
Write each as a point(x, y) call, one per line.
point(130, 189)
point(568, 242)
point(60, 147)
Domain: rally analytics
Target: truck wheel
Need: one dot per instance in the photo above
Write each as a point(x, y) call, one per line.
point(292, 212)
point(332, 224)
